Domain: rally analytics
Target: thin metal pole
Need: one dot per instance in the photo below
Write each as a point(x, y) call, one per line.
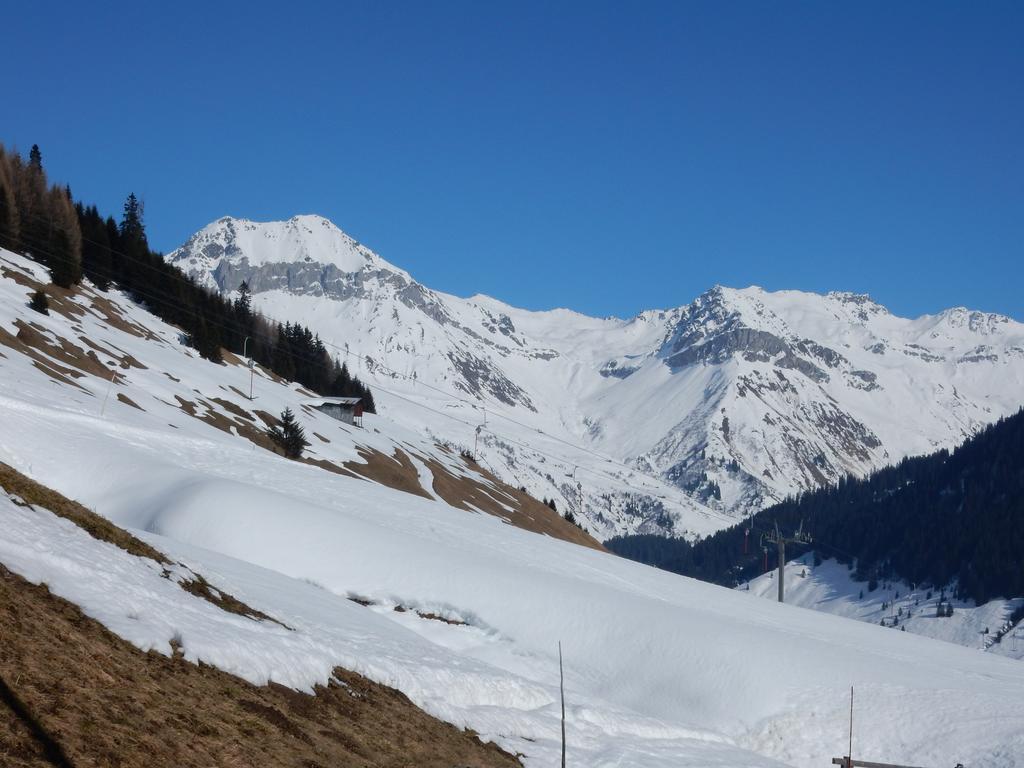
point(561, 688)
point(849, 754)
point(782, 568)
point(113, 373)
point(245, 354)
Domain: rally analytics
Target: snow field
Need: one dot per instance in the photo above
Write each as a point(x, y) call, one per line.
point(660, 670)
point(830, 588)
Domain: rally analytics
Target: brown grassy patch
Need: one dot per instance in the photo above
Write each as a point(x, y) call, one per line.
point(57, 372)
point(496, 498)
point(268, 419)
point(19, 277)
point(58, 299)
point(107, 311)
point(186, 405)
point(270, 374)
point(31, 492)
point(31, 342)
point(128, 401)
point(108, 704)
point(395, 472)
point(124, 359)
point(99, 347)
point(200, 587)
point(245, 429)
point(230, 358)
point(96, 526)
point(128, 361)
point(329, 466)
point(237, 410)
point(436, 617)
point(56, 375)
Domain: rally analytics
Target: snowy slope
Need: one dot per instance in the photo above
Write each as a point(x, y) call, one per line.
point(733, 401)
point(830, 588)
point(661, 670)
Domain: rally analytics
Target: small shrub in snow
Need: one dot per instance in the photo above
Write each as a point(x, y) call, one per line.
point(40, 303)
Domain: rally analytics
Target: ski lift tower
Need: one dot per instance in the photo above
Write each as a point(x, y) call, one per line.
point(775, 537)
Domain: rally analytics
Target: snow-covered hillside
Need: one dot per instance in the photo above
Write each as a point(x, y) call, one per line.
point(675, 421)
point(660, 670)
point(830, 588)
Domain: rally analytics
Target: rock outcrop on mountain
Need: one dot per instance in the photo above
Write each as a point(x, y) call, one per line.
point(715, 408)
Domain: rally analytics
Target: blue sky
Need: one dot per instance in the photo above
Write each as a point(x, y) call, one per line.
point(608, 157)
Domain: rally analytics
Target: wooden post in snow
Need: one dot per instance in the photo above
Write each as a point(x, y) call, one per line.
point(849, 753)
point(561, 688)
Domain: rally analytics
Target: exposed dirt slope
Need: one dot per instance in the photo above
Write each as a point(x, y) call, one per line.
point(484, 491)
point(73, 693)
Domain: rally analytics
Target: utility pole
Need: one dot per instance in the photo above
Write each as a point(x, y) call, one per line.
point(561, 689)
point(775, 537)
point(245, 354)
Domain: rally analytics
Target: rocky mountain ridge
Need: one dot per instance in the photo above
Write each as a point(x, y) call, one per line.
point(737, 399)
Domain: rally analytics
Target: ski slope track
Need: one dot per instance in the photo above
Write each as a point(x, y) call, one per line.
point(676, 421)
point(102, 402)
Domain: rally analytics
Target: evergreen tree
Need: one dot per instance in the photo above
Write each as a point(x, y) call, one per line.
point(47, 227)
point(40, 303)
point(44, 223)
point(243, 304)
point(368, 404)
point(35, 159)
point(64, 242)
point(290, 437)
point(8, 208)
point(97, 260)
point(132, 236)
point(30, 201)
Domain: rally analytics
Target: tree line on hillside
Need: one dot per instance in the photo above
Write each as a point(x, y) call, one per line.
point(944, 519)
point(75, 240)
point(38, 218)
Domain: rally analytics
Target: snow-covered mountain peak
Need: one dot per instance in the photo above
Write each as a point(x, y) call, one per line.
point(306, 253)
point(974, 322)
point(738, 398)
